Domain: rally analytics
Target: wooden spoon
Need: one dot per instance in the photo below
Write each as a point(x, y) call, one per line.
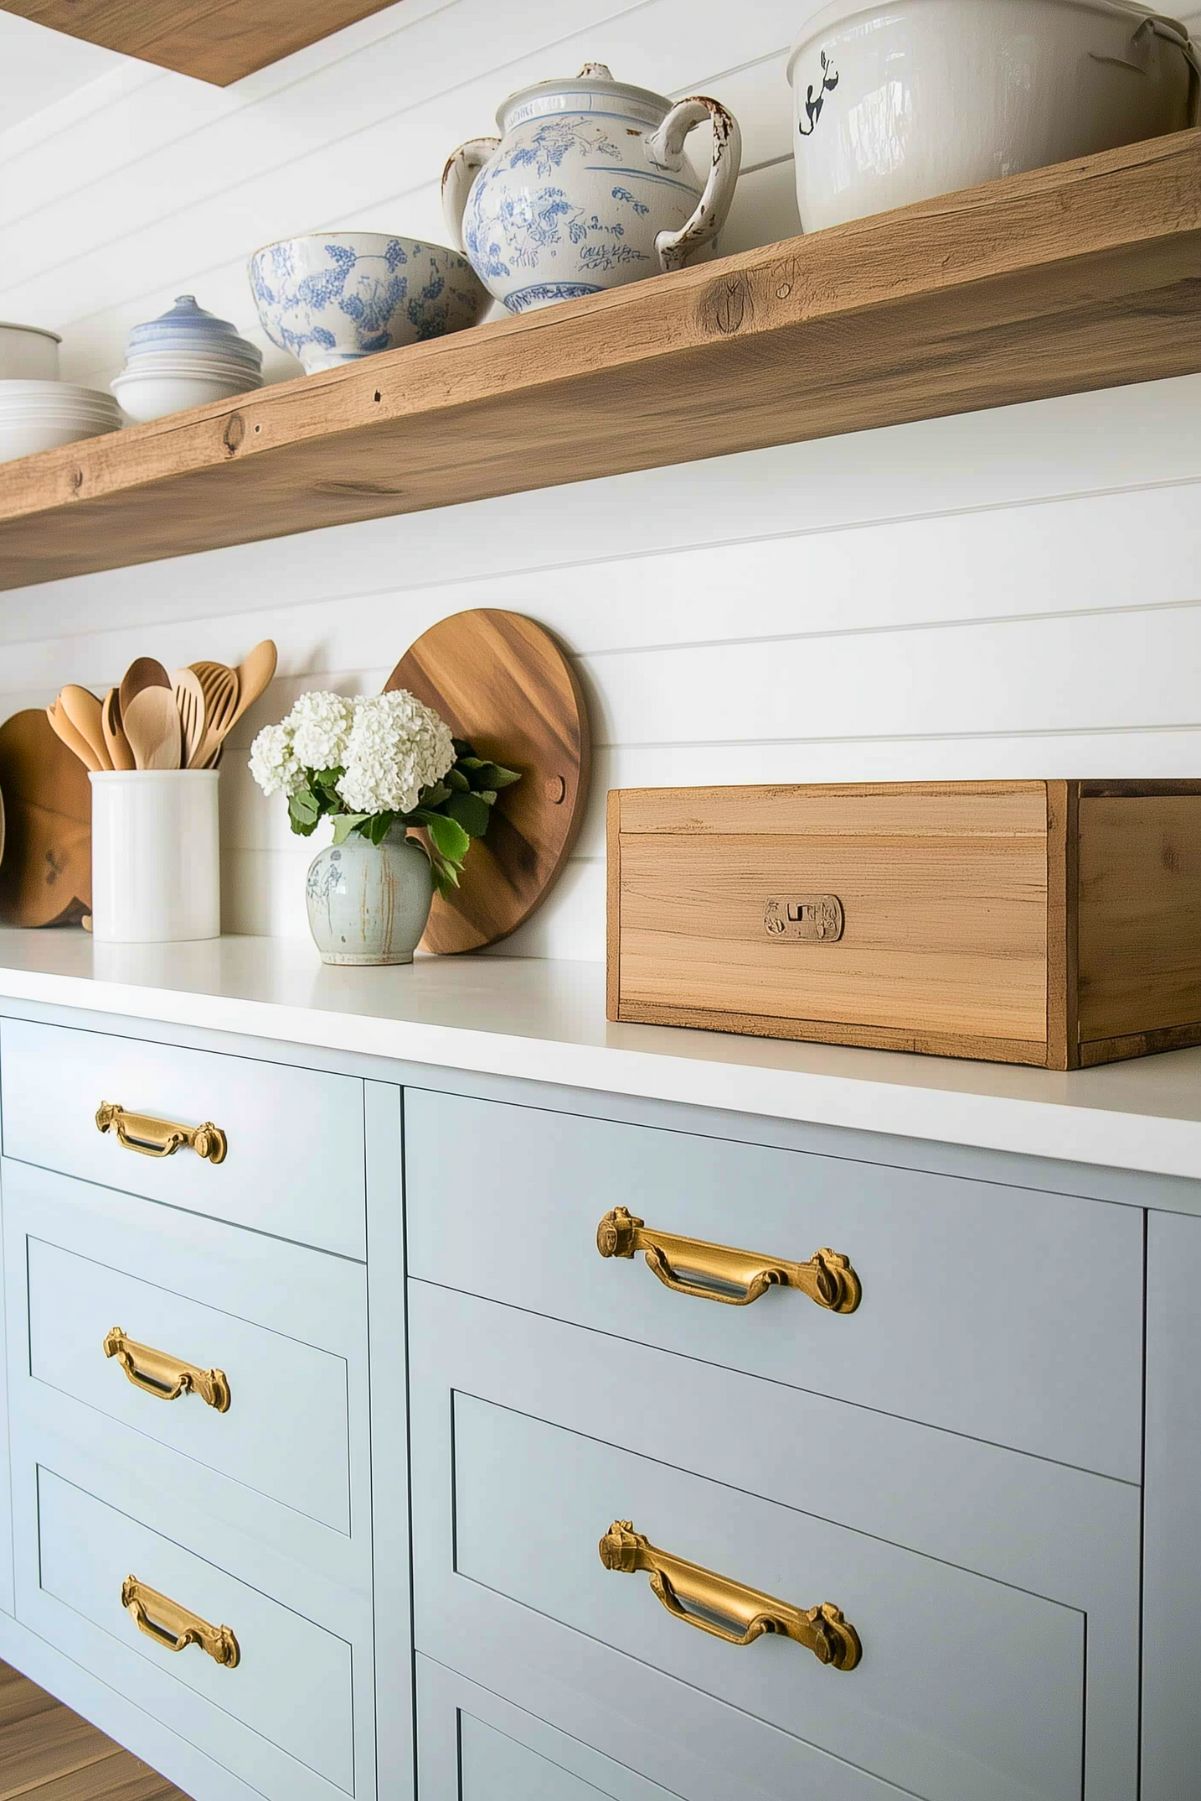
point(115, 740)
point(151, 724)
point(143, 672)
point(73, 740)
point(220, 684)
point(83, 710)
point(254, 672)
point(193, 711)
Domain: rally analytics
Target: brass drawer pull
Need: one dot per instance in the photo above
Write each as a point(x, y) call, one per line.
point(684, 1587)
point(165, 1377)
point(159, 1137)
point(827, 1278)
point(173, 1627)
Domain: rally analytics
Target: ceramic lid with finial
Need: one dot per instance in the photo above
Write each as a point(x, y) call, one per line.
point(188, 329)
point(592, 90)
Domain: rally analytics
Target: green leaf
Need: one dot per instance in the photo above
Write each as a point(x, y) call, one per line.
point(304, 804)
point(504, 778)
point(448, 837)
point(434, 796)
point(346, 823)
point(457, 780)
point(471, 812)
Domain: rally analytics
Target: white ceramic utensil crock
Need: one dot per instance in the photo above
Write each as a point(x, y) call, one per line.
point(894, 104)
point(156, 866)
point(587, 188)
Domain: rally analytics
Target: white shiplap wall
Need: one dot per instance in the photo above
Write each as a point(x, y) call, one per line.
point(1010, 593)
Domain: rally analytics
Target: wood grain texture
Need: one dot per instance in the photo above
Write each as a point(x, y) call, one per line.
point(47, 1753)
point(1140, 915)
point(945, 930)
point(502, 682)
point(217, 41)
point(1081, 276)
point(1062, 817)
point(1054, 923)
point(46, 873)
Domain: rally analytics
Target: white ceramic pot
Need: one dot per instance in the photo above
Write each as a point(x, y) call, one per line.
point(28, 353)
point(368, 903)
point(896, 103)
point(156, 862)
point(587, 188)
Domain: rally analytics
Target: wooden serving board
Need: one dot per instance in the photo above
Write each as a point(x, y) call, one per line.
point(503, 683)
point(46, 874)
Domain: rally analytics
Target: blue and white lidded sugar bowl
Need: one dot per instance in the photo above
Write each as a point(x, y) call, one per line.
point(587, 188)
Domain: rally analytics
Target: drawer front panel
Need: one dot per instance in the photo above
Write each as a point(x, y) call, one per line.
point(531, 1438)
point(274, 1333)
point(931, 908)
point(294, 1163)
point(475, 1747)
point(285, 1429)
point(532, 1500)
point(291, 1684)
point(997, 1312)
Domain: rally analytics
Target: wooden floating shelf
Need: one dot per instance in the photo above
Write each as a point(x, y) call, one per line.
point(1086, 275)
point(217, 41)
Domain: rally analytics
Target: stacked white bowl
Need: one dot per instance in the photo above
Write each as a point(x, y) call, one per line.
point(185, 358)
point(37, 411)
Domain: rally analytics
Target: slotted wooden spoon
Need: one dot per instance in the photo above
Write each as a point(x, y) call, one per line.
point(116, 743)
point(193, 712)
point(220, 685)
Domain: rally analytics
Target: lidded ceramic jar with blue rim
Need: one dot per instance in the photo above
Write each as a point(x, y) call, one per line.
point(587, 188)
point(186, 330)
point(186, 357)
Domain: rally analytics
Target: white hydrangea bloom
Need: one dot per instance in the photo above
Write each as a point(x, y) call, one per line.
point(273, 762)
point(320, 725)
point(396, 747)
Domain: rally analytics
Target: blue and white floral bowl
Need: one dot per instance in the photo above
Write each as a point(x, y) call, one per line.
point(332, 297)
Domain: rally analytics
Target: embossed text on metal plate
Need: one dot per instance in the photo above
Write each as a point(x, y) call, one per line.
point(812, 918)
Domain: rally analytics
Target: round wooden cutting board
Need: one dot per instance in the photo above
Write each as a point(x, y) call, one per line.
point(46, 874)
point(501, 681)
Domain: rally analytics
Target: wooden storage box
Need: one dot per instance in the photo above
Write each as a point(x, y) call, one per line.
point(1053, 923)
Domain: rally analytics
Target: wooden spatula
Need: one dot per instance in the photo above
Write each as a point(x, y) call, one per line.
point(151, 724)
point(143, 672)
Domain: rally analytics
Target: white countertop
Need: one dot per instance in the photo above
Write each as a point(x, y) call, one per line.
point(546, 1022)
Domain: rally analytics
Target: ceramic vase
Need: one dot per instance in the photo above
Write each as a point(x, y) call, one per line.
point(368, 903)
point(589, 187)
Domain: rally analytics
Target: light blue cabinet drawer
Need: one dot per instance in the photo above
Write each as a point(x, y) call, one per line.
point(276, 1705)
point(295, 1158)
point(275, 1333)
point(993, 1311)
point(972, 1575)
point(473, 1746)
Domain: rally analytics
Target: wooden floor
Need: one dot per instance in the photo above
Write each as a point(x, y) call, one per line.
point(47, 1753)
